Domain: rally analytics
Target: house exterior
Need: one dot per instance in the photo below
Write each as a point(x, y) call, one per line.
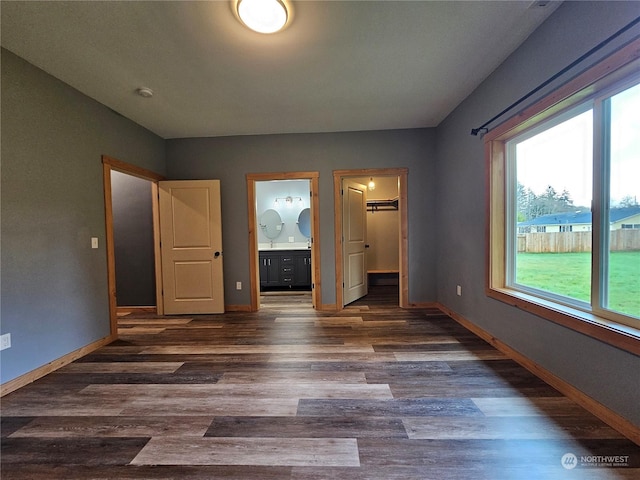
point(619, 218)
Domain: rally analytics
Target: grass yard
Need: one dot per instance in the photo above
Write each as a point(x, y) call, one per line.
point(569, 274)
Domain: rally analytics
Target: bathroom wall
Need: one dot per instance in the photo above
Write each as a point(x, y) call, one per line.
point(266, 194)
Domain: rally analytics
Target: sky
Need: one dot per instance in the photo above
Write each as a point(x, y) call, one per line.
point(561, 156)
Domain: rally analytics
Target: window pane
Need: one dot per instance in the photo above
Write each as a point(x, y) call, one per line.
point(622, 285)
point(553, 192)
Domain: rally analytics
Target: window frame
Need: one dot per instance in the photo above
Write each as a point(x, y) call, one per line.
point(590, 86)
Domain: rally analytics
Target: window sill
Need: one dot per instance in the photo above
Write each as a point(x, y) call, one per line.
point(618, 335)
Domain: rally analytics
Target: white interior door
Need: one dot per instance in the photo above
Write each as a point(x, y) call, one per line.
point(354, 231)
point(191, 250)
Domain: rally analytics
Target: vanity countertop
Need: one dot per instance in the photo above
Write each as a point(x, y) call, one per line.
point(267, 247)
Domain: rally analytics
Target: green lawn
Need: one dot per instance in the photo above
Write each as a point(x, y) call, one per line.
point(569, 274)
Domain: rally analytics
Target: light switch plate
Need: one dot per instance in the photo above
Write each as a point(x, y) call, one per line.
point(5, 341)
point(94, 242)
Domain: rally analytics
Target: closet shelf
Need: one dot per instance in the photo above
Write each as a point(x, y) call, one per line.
point(376, 205)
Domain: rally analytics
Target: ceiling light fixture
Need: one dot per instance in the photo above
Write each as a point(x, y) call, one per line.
point(263, 16)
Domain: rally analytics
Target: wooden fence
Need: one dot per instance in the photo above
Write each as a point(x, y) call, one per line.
point(565, 242)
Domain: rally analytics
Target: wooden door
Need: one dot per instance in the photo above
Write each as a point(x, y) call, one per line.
point(191, 250)
point(354, 231)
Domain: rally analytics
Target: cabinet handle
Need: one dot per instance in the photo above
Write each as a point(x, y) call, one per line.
point(269, 262)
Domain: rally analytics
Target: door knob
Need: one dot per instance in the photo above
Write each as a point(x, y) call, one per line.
point(217, 254)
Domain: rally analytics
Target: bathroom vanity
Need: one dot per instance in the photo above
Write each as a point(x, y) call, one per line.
point(285, 264)
point(285, 268)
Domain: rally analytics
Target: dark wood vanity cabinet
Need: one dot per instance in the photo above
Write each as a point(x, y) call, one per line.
point(302, 269)
point(285, 268)
point(269, 270)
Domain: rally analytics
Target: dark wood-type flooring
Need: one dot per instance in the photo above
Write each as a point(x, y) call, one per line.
point(372, 392)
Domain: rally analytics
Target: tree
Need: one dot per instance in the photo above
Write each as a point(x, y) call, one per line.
point(629, 201)
point(531, 206)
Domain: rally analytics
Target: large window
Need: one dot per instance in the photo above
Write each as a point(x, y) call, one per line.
point(564, 195)
point(550, 181)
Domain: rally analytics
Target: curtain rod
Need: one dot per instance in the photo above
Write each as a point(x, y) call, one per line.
point(483, 128)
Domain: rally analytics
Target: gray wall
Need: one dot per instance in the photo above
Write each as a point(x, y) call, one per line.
point(230, 158)
point(133, 240)
point(54, 286)
point(605, 373)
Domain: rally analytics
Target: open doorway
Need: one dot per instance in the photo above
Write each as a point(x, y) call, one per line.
point(133, 241)
point(385, 232)
point(284, 232)
point(118, 171)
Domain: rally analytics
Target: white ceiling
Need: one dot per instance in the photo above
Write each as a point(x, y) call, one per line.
point(339, 66)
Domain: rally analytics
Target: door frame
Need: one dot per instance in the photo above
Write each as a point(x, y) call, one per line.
point(110, 164)
point(254, 271)
point(402, 174)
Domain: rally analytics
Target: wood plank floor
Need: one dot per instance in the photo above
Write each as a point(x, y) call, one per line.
point(287, 393)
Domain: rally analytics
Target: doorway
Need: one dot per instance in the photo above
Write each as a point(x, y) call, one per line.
point(283, 234)
point(384, 269)
point(133, 241)
point(110, 165)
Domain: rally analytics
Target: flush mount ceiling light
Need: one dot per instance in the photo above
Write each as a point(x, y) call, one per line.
point(263, 16)
point(372, 184)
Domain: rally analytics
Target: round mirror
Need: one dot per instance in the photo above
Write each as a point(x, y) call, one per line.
point(304, 222)
point(271, 223)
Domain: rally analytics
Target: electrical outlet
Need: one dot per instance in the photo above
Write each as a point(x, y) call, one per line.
point(5, 341)
point(459, 290)
point(238, 285)
point(292, 239)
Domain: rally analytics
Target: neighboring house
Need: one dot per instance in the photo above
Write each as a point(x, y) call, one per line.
point(619, 218)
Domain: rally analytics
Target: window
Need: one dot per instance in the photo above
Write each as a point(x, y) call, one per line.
point(569, 172)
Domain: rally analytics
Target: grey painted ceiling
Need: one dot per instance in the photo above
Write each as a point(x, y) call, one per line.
point(338, 66)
